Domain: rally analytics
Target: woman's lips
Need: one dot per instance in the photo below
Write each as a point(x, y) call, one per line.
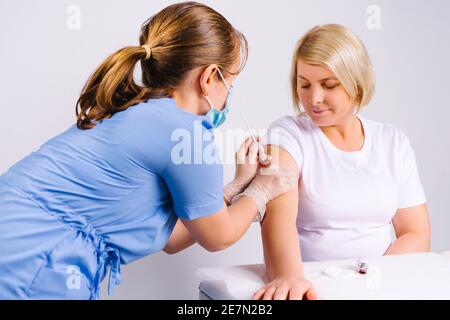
point(319, 112)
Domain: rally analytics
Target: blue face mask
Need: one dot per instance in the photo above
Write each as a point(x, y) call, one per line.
point(216, 117)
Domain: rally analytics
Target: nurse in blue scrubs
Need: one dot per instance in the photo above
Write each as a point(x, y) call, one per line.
point(119, 185)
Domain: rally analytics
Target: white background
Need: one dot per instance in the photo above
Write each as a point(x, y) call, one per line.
point(44, 65)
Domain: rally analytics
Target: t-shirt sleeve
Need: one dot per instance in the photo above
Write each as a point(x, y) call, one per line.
point(284, 133)
point(410, 191)
point(194, 174)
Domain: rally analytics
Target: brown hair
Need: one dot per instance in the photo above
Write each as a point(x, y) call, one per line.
point(181, 37)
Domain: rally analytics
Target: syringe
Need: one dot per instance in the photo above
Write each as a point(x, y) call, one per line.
point(262, 155)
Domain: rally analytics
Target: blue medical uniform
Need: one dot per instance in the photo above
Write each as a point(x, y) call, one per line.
point(91, 200)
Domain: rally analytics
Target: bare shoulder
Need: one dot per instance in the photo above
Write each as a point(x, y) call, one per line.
point(281, 158)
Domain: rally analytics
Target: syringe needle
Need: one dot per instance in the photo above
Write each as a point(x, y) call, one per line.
point(262, 154)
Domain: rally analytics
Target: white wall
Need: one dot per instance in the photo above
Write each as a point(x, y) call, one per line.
point(44, 64)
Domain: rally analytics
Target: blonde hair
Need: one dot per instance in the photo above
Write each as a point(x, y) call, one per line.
point(342, 52)
point(173, 42)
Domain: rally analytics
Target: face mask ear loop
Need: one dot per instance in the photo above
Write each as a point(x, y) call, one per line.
point(209, 102)
point(223, 79)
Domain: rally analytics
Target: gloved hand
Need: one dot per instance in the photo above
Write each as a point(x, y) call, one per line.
point(247, 161)
point(269, 184)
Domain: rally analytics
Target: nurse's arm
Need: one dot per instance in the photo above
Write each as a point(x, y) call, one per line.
point(222, 229)
point(281, 243)
point(215, 232)
point(180, 239)
point(413, 231)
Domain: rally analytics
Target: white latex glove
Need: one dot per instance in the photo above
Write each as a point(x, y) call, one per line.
point(269, 184)
point(247, 162)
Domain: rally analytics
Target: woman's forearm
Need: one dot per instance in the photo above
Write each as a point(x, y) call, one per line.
point(279, 229)
point(280, 238)
point(282, 254)
point(409, 242)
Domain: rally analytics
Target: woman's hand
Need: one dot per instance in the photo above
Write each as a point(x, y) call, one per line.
point(286, 288)
point(247, 164)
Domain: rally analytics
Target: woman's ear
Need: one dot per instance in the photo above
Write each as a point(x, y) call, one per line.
point(206, 78)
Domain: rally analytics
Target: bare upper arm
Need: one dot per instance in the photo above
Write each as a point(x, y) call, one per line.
point(413, 219)
point(282, 209)
point(281, 157)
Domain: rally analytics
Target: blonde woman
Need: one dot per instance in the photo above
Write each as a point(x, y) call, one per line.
point(112, 189)
point(356, 176)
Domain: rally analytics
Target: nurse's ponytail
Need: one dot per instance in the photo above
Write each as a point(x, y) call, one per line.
point(176, 40)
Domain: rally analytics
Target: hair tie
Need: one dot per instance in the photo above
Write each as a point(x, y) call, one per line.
point(148, 51)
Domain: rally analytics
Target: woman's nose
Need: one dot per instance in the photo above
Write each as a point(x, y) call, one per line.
point(316, 97)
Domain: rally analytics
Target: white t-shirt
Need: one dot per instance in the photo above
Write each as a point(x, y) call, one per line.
point(348, 199)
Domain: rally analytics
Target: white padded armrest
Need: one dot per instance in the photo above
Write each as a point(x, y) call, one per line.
point(408, 276)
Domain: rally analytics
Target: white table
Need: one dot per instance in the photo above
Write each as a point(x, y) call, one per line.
point(409, 276)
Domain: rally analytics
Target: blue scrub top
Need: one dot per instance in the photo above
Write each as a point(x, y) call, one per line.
point(92, 199)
